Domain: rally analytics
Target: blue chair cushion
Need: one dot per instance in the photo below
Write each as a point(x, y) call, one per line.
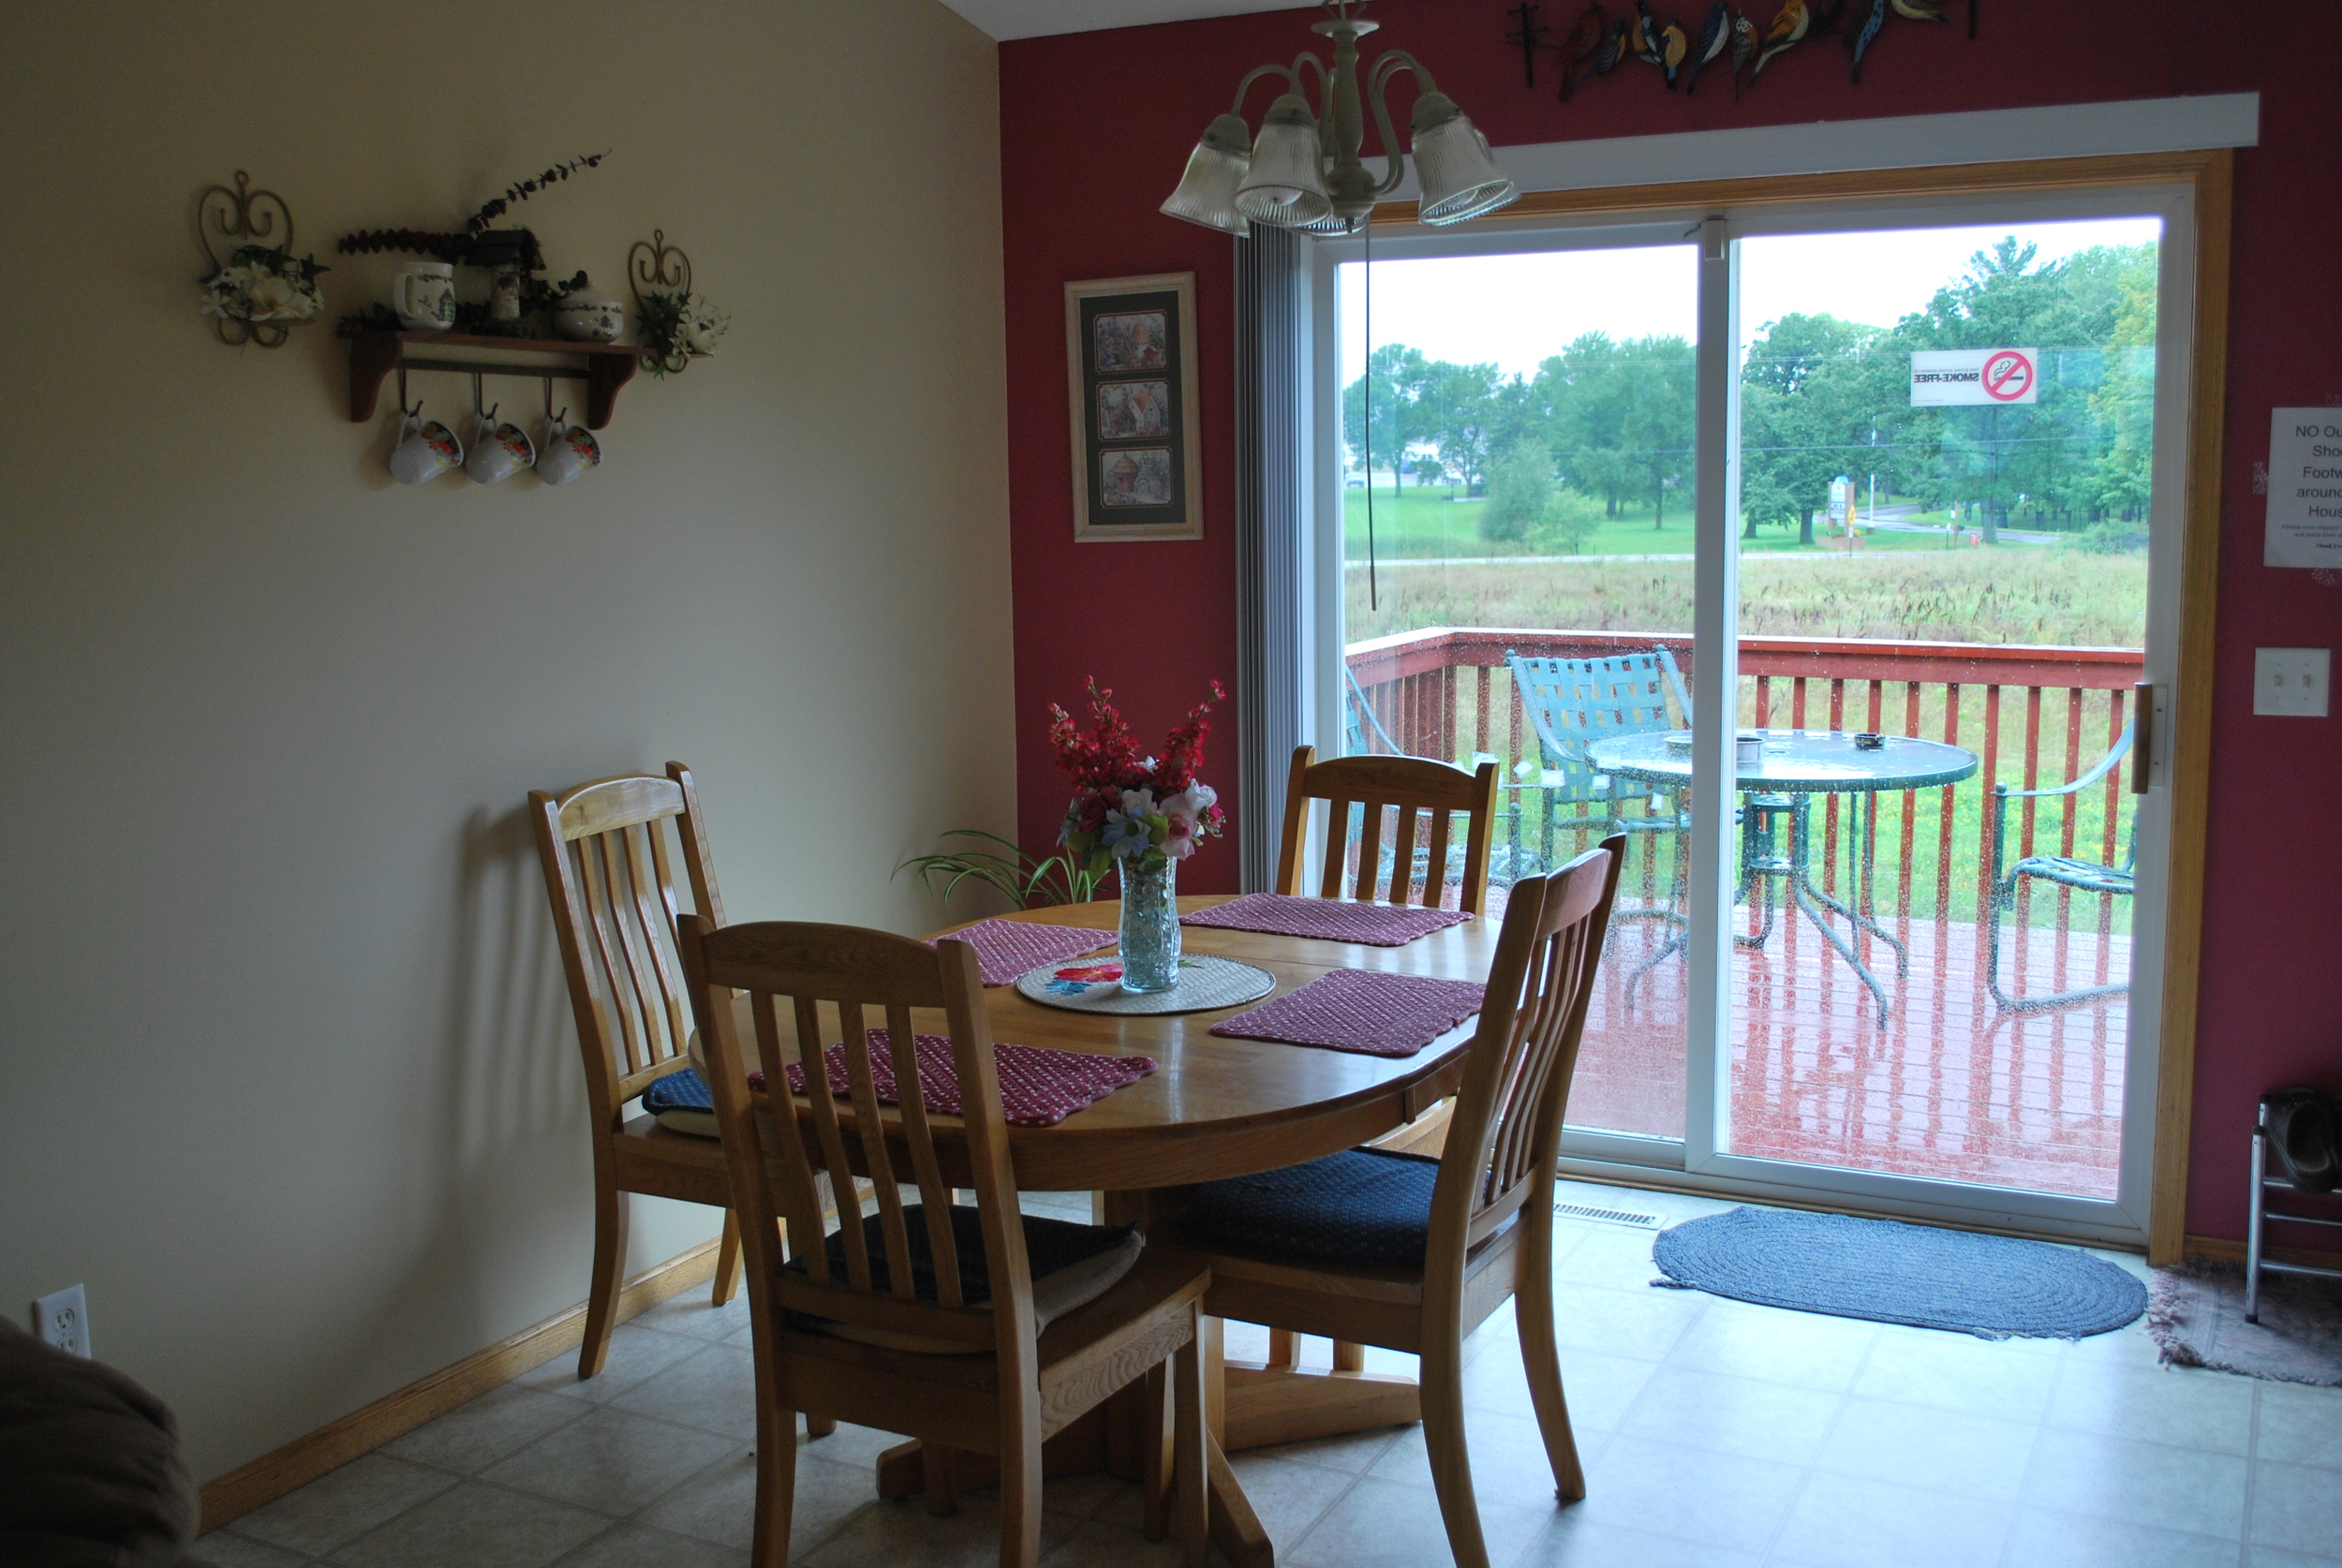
point(1359, 1208)
point(683, 1102)
point(1071, 1266)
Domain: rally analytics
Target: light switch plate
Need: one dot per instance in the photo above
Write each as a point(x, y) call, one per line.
point(2293, 682)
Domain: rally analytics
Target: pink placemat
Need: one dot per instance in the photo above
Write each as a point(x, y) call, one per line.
point(1008, 948)
point(1372, 1013)
point(1375, 924)
point(1039, 1086)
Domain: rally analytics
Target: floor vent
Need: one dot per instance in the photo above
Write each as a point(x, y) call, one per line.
point(1608, 1216)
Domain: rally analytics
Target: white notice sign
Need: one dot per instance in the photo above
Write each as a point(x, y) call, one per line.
point(1957, 377)
point(2305, 488)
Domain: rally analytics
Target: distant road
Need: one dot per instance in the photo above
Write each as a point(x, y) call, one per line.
point(1896, 519)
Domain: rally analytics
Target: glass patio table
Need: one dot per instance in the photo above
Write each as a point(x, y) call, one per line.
point(1793, 766)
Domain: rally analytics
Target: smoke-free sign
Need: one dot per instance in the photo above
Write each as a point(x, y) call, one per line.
point(1969, 377)
point(2304, 489)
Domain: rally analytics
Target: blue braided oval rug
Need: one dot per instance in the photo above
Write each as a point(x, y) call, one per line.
point(1992, 1286)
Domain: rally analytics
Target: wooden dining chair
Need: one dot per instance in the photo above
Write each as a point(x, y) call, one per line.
point(610, 874)
point(975, 1329)
point(1410, 786)
point(1369, 1247)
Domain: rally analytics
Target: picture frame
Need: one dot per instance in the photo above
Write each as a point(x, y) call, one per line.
point(1130, 373)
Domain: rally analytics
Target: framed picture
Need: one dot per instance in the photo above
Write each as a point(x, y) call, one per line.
point(1130, 364)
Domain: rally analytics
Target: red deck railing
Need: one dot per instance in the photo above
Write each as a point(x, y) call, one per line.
point(1444, 692)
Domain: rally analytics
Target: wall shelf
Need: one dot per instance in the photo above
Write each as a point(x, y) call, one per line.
point(374, 355)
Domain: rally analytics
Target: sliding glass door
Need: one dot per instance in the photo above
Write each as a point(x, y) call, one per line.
point(1821, 554)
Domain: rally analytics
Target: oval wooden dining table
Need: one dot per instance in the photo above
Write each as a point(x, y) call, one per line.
point(1218, 1107)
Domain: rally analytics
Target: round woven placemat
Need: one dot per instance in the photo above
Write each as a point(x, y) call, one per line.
point(1203, 984)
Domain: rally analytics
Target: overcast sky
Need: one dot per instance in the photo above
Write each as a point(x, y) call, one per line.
point(1516, 310)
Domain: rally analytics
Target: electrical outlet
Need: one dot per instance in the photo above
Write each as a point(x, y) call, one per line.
point(62, 1319)
point(2291, 682)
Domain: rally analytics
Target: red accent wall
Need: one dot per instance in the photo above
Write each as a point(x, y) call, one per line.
point(1095, 129)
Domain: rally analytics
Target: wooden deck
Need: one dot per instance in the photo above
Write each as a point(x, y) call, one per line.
point(1952, 1089)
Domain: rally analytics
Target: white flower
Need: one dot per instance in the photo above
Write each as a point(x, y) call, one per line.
point(1185, 811)
point(270, 297)
point(701, 327)
point(248, 292)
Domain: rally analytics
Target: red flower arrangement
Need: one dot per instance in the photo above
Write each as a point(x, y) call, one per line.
point(1127, 806)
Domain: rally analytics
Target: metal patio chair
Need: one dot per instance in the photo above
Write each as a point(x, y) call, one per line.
point(2065, 870)
point(1572, 703)
point(1363, 732)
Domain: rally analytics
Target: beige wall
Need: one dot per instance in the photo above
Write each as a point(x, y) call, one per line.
point(290, 1078)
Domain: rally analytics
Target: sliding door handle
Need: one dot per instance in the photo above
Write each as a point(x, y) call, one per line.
point(2142, 736)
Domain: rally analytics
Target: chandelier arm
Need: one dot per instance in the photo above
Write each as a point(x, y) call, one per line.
point(1305, 63)
point(1255, 75)
point(1378, 86)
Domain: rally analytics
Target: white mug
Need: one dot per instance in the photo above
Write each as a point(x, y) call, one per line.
point(423, 296)
point(498, 449)
point(570, 450)
point(426, 449)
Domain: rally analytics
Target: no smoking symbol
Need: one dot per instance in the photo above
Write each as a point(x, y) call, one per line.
point(2008, 375)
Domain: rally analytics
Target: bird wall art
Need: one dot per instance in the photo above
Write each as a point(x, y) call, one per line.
point(1603, 38)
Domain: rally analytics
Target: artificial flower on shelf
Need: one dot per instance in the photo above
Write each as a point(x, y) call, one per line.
point(679, 326)
point(263, 284)
point(1139, 815)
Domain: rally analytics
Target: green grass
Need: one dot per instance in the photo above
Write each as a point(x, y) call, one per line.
point(2053, 595)
point(1436, 523)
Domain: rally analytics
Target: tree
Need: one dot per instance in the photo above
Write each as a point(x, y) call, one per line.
point(1396, 376)
point(1657, 416)
point(1817, 397)
point(1521, 490)
point(1581, 388)
point(1458, 405)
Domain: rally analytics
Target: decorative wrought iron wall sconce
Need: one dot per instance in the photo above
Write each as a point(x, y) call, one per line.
point(666, 272)
point(241, 220)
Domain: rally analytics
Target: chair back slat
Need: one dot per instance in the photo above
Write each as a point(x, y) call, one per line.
point(655, 912)
point(1370, 851)
point(1505, 1132)
point(637, 941)
point(1402, 860)
point(1407, 788)
point(801, 1189)
point(616, 974)
point(1434, 881)
point(824, 1099)
point(935, 1198)
point(840, 984)
point(1329, 877)
point(854, 1031)
point(609, 872)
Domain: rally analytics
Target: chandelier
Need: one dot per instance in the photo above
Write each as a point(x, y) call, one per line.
point(1303, 170)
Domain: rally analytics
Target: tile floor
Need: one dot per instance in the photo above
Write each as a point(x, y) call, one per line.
point(1716, 1435)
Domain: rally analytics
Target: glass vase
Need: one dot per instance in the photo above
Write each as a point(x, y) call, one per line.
point(1150, 926)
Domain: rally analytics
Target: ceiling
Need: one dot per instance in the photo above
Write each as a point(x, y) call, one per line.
point(1033, 19)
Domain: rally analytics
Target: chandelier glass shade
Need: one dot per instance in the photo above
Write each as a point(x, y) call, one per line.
point(1303, 170)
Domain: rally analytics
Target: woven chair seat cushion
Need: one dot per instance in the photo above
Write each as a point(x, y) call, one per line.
point(683, 1102)
point(1361, 1208)
point(1073, 1265)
